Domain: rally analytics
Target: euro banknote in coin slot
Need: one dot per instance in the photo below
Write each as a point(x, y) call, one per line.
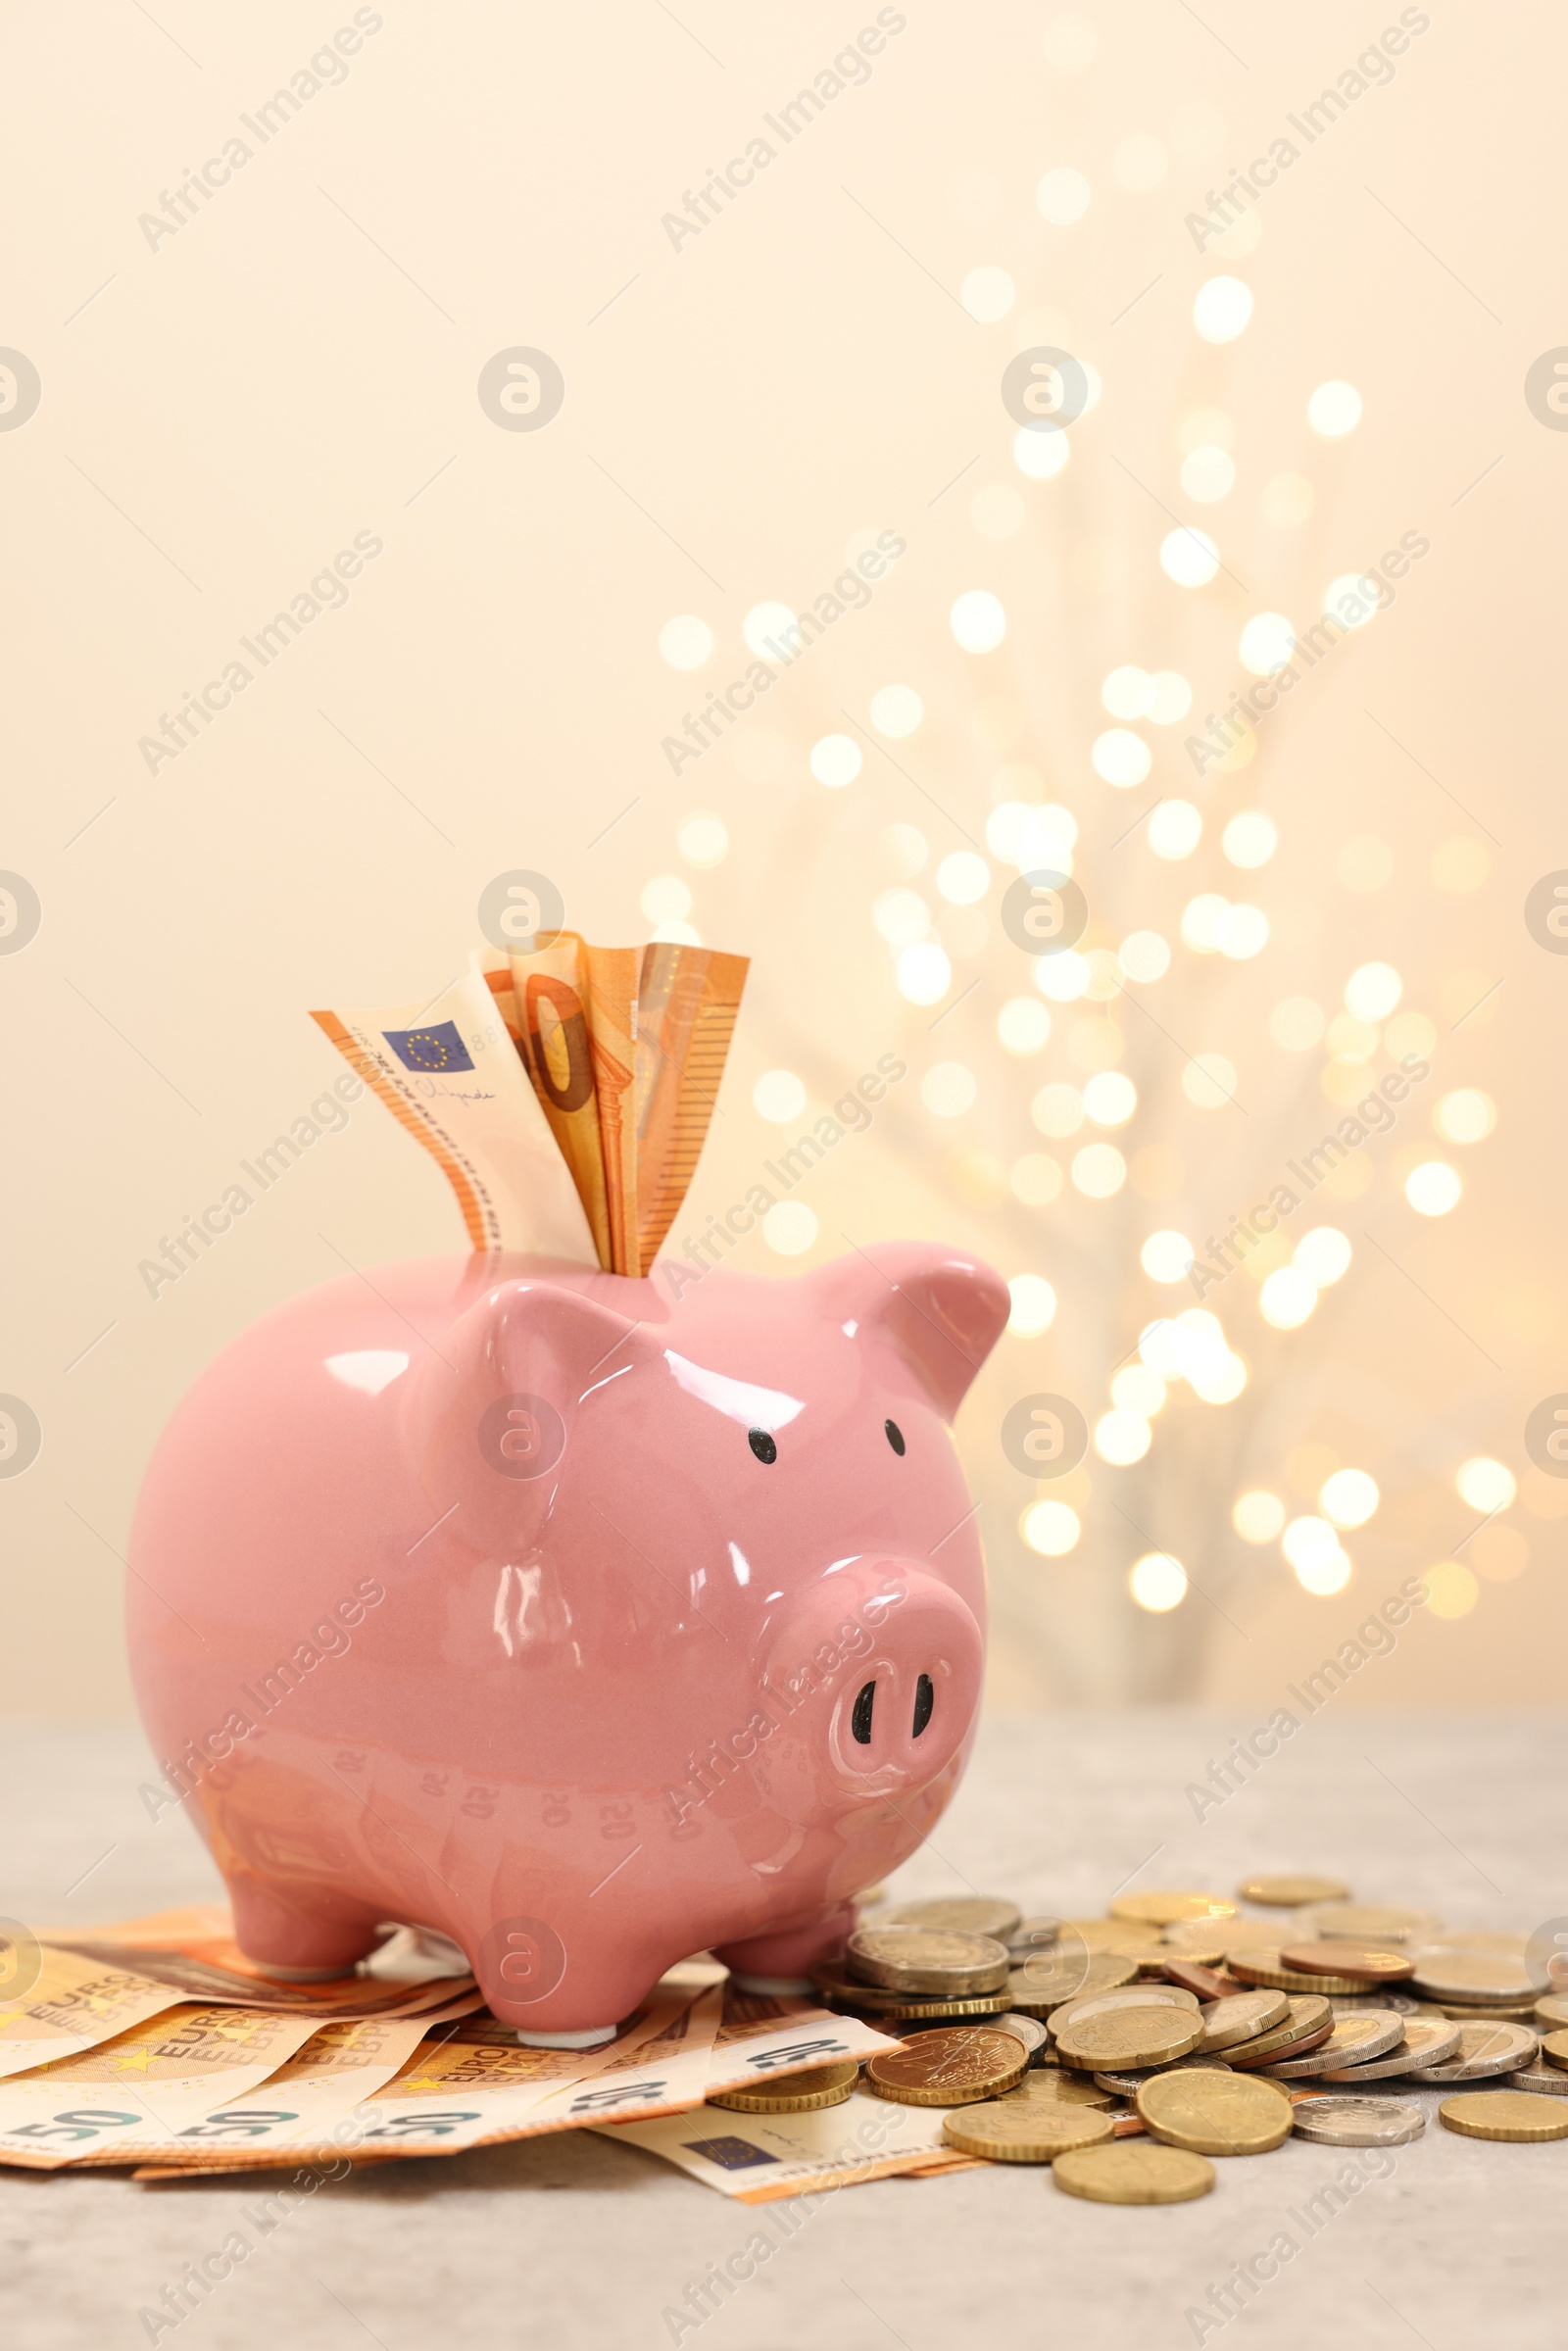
point(611, 1054)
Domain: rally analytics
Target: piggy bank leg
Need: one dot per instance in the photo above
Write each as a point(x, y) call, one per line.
point(594, 2038)
point(780, 1962)
point(311, 1943)
point(521, 1967)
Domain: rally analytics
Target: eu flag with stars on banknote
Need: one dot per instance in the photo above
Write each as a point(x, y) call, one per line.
point(438, 1048)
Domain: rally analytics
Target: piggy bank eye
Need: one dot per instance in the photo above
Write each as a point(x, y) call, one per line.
point(763, 1444)
point(894, 1434)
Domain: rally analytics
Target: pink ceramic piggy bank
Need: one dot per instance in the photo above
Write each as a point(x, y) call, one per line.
point(506, 1597)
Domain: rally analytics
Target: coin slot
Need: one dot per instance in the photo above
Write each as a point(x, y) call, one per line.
point(925, 1698)
point(860, 1718)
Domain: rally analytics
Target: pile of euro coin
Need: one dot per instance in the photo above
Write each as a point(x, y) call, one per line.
point(1126, 2051)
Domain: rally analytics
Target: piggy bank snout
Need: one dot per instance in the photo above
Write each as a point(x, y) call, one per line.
point(907, 1661)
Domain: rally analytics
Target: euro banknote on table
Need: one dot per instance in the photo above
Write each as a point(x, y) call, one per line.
point(139, 2091)
point(758, 2157)
point(154, 2042)
point(333, 2071)
point(193, 1955)
point(612, 1055)
point(473, 2085)
point(65, 2002)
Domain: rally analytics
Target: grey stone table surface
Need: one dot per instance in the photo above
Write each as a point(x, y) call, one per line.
point(577, 2241)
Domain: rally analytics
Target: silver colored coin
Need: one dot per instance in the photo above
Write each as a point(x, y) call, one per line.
point(1354, 2040)
point(1031, 1935)
point(1125, 2084)
point(1358, 2122)
point(957, 1913)
point(1550, 2080)
point(1027, 2028)
point(1427, 2042)
point(1483, 2050)
point(902, 1957)
point(1492, 1979)
point(1388, 1996)
point(1127, 1996)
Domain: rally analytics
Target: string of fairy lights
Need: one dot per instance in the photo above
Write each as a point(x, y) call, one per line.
point(932, 913)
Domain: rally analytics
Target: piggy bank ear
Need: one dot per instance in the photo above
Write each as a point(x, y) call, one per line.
point(940, 1309)
point(489, 1417)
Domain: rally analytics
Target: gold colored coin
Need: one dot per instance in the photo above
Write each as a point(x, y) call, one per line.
point(1031, 2132)
point(840, 1990)
point(1044, 1981)
point(1133, 2171)
point(1554, 2048)
point(1310, 2016)
point(1370, 1921)
point(1165, 1909)
point(793, 2093)
point(1216, 2114)
point(1242, 2016)
point(1190, 1938)
point(1116, 2037)
point(928, 1959)
point(1267, 1966)
point(1510, 2114)
point(1551, 2012)
point(958, 1914)
point(1048, 2085)
point(952, 2066)
point(1127, 1938)
point(1293, 1892)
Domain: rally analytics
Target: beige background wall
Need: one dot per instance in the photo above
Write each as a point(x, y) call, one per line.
point(223, 410)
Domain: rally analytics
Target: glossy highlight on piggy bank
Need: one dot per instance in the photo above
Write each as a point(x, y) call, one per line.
point(506, 1597)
